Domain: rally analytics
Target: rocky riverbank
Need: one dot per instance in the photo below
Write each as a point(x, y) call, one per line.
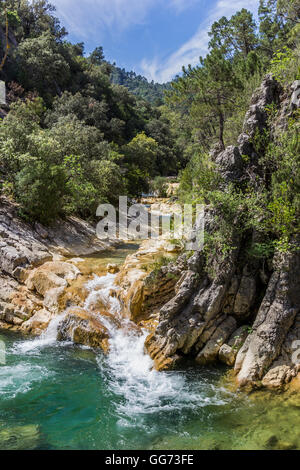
point(34, 273)
point(237, 312)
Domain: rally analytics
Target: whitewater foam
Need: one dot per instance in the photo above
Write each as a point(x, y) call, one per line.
point(129, 371)
point(47, 338)
point(139, 389)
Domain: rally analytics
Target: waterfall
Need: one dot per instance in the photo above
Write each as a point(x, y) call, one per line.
point(47, 338)
point(129, 371)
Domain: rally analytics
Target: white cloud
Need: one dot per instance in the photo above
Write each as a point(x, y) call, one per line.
point(91, 19)
point(163, 70)
point(87, 18)
point(181, 5)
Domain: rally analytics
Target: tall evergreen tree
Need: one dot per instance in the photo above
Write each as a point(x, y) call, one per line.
point(235, 36)
point(209, 92)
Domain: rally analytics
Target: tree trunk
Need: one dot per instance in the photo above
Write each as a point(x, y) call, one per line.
point(221, 130)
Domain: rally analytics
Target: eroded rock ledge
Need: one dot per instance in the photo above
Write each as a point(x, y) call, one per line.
point(33, 269)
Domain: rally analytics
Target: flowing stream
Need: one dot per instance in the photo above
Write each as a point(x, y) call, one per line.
point(60, 396)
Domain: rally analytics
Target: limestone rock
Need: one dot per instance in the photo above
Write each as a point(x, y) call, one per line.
point(42, 232)
point(245, 296)
point(38, 322)
point(278, 376)
point(10, 259)
point(141, 291)
point(230, 163)
point(112, 268)
point(227, 355)
point(211, 350)
point(85, 328)
point(52, 276)
point(29, 278)
point(257, 116)
point(275, 318)
point(207, 299)
point(228, 352)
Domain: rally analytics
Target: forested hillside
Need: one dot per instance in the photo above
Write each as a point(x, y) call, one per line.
point(210, 102)
point(73, 131)
point(140, 86)
point(71, 135)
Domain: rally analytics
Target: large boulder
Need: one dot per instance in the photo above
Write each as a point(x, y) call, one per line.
point(38, 323)
point(51, 280)
point(211, 350)
point(228, 351)
point(82, 327)
point(142, 289)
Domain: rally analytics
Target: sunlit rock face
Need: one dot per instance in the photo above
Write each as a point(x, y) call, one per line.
point(144, 285)
point(34, 278)
point(82, 327)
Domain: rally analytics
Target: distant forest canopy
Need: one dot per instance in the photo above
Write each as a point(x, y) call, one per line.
point(136, 84)
point(79, 131)
point(140, 86)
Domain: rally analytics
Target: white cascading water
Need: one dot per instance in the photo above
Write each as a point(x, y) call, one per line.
point(47, 338)
point(129, 371)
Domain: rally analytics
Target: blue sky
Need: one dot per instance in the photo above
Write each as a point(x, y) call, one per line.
point(152, 37)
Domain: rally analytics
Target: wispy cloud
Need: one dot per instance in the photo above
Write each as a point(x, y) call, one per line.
point(181, 5)
point(164, 69)
point(90, 20)
point(87, 17)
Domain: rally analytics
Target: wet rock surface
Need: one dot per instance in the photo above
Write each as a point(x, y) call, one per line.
point(82, 327)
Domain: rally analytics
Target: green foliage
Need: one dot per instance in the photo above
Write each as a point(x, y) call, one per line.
point(71, 118)
point(40, 188)
point(142, 152)
point(139, 86)
point(237, 35)
point(199, 179)
point(89, 185)
point(262, 250)
point(285, 66)
point(159, 186)
point(155, 268)
point(283, 161)
point(208, 91)
point(81, 131)
point(41, 65)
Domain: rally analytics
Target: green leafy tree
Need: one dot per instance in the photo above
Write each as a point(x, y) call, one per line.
point(42, 67)
point(237, 35)
point(40, 188)
point(97, 56)
point(209, 91)
point(273, 29)
point(142, 152)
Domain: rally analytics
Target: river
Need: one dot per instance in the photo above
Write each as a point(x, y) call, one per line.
point(60, 396)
